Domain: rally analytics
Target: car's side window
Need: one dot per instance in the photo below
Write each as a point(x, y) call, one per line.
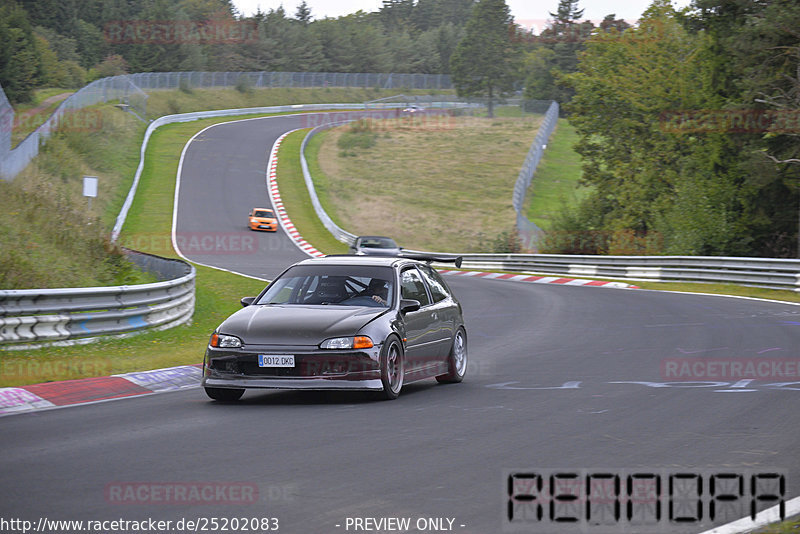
point(412, 286)
point(435, 283)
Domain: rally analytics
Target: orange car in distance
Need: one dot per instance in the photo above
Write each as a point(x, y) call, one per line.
point(263, 219)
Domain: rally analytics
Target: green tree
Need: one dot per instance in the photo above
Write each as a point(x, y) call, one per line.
point(754, 57)
point(19, 56)
point(567, 12)
point(540, 82)
point(649, 176)
point(303, 13)
point(485, 61)
point(555, 53)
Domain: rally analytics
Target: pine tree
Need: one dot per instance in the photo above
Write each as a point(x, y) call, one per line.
point(303, 13)
point(567, 12)
point(484, 62)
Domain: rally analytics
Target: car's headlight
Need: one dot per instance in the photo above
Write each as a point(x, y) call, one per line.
point(253, 220)
point(357, 342)
point(223, 341)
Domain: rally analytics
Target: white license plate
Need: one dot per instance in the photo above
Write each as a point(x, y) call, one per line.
point(276, 360)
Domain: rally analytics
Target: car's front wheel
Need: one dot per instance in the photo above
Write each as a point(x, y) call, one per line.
point(224, 394)
point(392, 370)
point(457, 360)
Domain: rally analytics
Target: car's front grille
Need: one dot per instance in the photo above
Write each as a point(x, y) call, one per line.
point(305, 366)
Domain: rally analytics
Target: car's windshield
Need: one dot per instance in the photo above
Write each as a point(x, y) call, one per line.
point(378, 242)
point(332, 285)
point(263, 213)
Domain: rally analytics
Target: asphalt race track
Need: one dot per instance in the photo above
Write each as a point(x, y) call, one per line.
point(575, 379)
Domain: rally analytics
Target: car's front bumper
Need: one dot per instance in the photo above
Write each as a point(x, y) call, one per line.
point(292, 383)
point(315, 369)
point(266, 226)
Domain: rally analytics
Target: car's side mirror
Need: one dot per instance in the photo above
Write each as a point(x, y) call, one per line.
point(247, 301)
point(408, 305)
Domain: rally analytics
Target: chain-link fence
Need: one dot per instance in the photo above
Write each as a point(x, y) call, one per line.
point(130, 89)
point(13, 161)
point(6, 124)
point(528, 231)
point(199, 80)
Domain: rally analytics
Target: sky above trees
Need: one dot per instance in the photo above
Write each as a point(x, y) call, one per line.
point(535, 11)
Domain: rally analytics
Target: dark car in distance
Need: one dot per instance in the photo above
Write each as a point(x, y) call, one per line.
point(341, 322)
point(375, 245)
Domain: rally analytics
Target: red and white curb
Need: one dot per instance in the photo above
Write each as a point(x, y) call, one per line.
point(540, 279)
point(104, 388)
point(275, 196)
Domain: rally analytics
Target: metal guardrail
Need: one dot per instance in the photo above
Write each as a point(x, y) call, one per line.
point(31, 317)
point(340, 234)
point(771, 273)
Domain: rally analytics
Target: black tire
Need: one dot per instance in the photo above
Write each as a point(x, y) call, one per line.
point(457, 360)
point(224, 394)
point(392, 368)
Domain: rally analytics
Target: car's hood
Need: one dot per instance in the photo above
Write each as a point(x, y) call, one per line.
point(296, 325)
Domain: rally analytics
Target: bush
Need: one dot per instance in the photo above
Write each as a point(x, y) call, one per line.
point(359, 135)
point(173, 106)
point(507, 242)
point(186, 87)
point(244, 85)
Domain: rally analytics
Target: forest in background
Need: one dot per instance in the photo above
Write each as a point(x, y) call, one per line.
point(689, 128)
point(66, 43)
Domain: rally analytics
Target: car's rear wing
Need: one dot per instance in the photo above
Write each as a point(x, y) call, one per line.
point(430, 258)
point(419, 256)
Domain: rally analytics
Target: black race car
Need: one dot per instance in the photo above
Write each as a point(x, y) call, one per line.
point(341, 322)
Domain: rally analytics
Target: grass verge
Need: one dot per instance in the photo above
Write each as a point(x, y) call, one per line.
point(430, 182)
point(31, 115)
point(49, 235)
point(780, 528)
point(722, 289)
point(296, 198)
point(555, 183)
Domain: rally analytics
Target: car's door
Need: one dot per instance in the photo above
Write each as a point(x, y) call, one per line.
point(446, 311)
point(424, 335)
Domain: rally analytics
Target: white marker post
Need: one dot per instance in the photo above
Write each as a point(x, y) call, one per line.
point(90, 188)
